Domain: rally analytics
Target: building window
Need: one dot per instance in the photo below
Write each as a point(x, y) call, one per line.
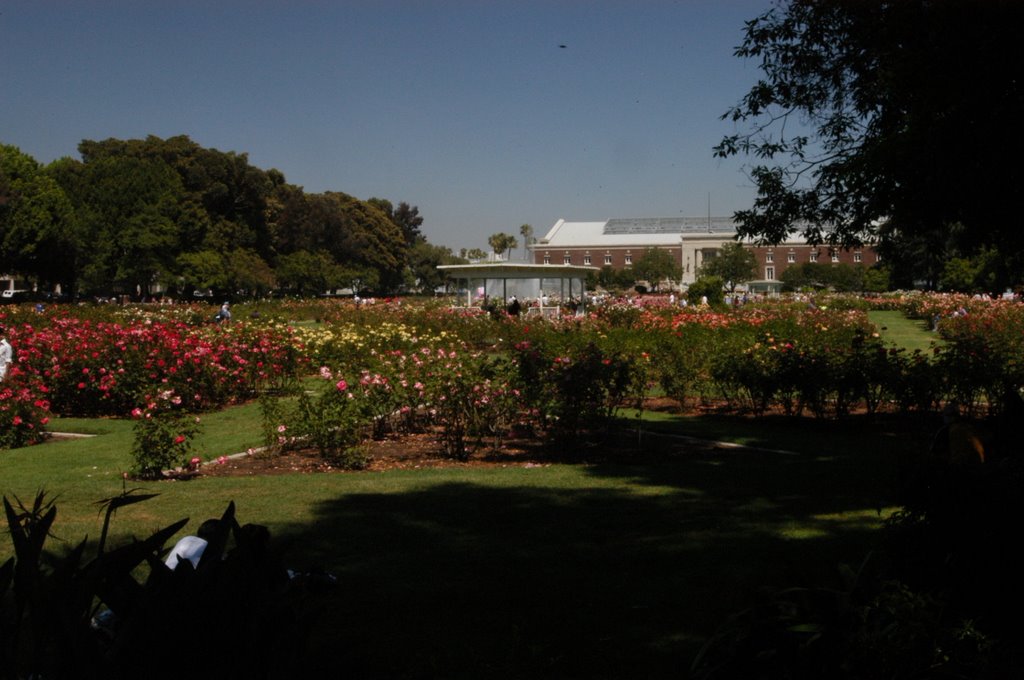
point(769, 273)
point(769, 257)
point(856, 257)
point(586, 260)
point(566, 260)
point(791, 258)
point(814, 256)
point(607, 259)
point(629, 259)
point(547, 259)
point(835, 257)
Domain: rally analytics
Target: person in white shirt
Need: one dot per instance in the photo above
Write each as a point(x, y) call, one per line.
point(6, 353)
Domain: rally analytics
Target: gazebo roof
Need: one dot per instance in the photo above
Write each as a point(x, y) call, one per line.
point(512, 270)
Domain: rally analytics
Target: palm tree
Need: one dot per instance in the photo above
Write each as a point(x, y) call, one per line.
point(501, 242)
point(526, 231)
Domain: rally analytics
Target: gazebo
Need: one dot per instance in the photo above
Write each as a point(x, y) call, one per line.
point(525, 281)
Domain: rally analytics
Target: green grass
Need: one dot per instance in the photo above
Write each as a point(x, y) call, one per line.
point(551, 571)
point(911, 334)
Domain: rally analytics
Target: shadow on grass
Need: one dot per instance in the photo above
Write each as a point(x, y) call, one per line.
point(622, 571)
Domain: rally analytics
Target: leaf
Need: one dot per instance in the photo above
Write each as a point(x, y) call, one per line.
point(6, 575)
point(807, 628)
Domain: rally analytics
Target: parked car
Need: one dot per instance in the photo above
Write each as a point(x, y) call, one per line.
point(14, 296)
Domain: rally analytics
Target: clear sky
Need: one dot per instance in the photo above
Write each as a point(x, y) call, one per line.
point(470, 109)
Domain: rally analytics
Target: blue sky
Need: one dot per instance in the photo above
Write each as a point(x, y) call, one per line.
point(469, 109)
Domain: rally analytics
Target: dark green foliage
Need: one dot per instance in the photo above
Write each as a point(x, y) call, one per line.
point(502, 243)
point(942, 599)
point(902, 111)
point(865, 627)
point(610, 278)
point(955, 534)
point(577, 388)
point(424, 259)
point(353, 233)
point(711, 287)
point(655, 266)
point(734, 264)
point(39, 230)
point(163, 438)
point(406, 217)
point(331, 422)
point(47, 604)
point(133, 213)
point(841, 278)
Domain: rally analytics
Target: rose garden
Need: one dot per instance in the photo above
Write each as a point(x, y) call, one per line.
point(644, 490)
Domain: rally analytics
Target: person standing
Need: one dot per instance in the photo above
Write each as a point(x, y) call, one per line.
point(6, 353)
point(225, 313)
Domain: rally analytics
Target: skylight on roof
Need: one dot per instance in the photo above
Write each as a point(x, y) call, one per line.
point(669, 225)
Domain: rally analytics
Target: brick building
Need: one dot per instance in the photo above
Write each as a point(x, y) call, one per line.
point(692, 240)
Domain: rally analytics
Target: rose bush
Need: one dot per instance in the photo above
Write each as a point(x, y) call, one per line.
point(163, 435)
point(104, 368)
point(410, 365)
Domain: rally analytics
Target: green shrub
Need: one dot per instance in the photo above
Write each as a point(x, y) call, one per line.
point(48, 604)
point(334, 422)
point(711, 287)
point(576, 385)
point(163, 436)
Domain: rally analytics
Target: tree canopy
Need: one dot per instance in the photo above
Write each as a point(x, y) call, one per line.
point(884, 121)
point(734, 265)
point(132, 214)
point(656, 265)
point(501, 243)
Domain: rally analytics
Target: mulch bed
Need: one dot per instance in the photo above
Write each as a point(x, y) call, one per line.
point(426, 450)
point(406, 452)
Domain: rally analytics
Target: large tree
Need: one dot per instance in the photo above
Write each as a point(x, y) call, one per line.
point(884, 113)
point(424, 259)
point(224, 202)
point(354, 233)
point(655, 266)
point(128, 208)
point(734, 263)
point(39, 230)
point(406, 217)
point(308, 273)
point(526, 231)
point(132, 213)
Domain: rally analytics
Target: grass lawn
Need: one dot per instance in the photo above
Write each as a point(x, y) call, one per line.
point(553, 571)
point(897, 329)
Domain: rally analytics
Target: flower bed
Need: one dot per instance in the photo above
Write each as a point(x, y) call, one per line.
point(475, 376)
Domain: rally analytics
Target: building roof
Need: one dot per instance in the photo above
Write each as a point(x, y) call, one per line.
point(642, 231)
point(512, 270)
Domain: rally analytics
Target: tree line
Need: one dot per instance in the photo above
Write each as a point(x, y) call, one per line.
point(137, 216)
